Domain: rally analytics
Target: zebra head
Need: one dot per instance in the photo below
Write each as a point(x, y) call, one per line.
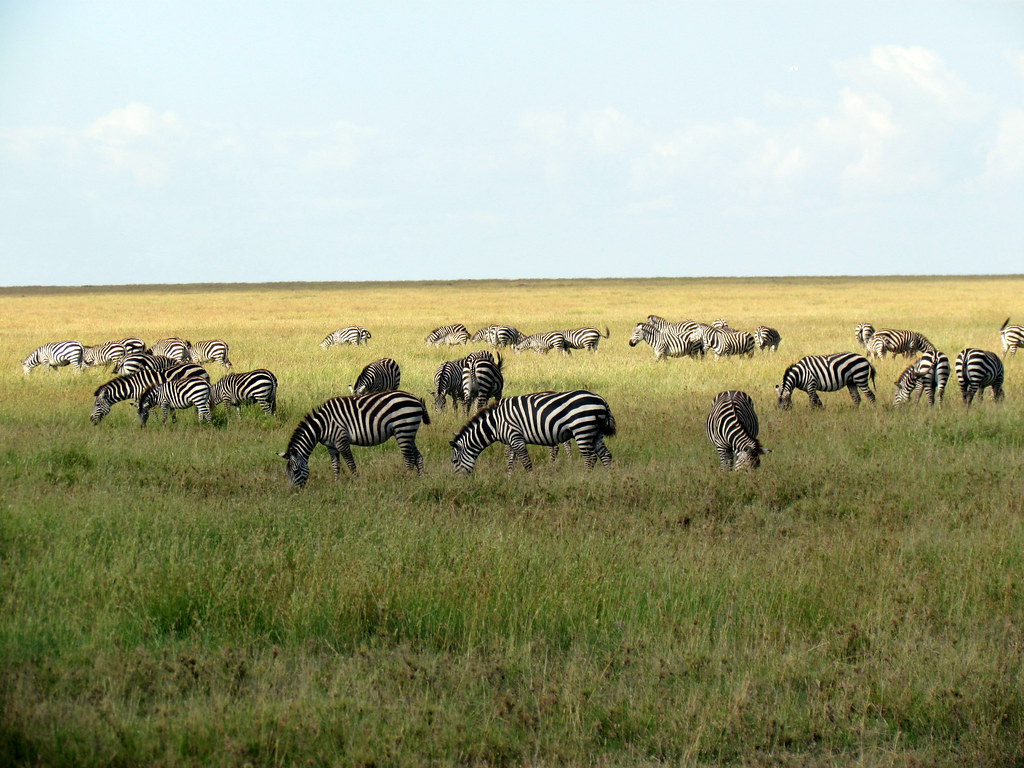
point(146, 402)
point(99, 409)
point(463, 457)
point(906, 384)
point(296, 467)
point(785, 394)
point(749, 458)
point(638, 334)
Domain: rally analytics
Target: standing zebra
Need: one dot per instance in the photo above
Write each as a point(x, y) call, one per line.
point(132, 386)
point(663, 343)
point(381, 375)
point(448, 334)
point(448, 383)
point(727, 342)
point(1012, 337)
point(107, 353)
point(133, 345)
point(898, 342)
point(139, 362)
point(350, 334)
point(499, 335)
point(258, 386)
point(542, 418)
point(174, 394)
point(342, 422)
point(55, 354)
point(766, 338)
point(584, 338)
point(928, 375)
point(827, 373)
point(977, 369)
point(542, 343)
point(863, 333)
point(482, 379)
point(210, 351)
point(172, 347)
point(732, 428)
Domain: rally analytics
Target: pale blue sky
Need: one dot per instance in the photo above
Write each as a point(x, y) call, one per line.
point(155, 142)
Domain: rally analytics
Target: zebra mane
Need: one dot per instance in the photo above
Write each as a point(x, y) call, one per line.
point(477, 417)
point(301, 428)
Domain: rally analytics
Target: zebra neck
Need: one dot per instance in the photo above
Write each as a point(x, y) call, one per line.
point(304, 439)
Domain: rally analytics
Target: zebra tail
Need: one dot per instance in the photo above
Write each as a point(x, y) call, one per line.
point(607, 333)
point(872, 368)
point(607, 425)
point(1006, 322)
point(426, 413)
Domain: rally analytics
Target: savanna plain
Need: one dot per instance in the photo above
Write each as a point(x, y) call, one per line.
point(168, 600)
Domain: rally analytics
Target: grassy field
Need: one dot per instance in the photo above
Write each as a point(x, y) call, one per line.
point(168, 600)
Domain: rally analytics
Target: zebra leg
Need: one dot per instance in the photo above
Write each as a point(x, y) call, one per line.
point(518, 450)
point(345, 449)
point(203, 410)
point(410, 453)
point(812, 396)
point(997, 392)
point(854, 393)
point(602, 452)
point(585, 443)
point(726, 458)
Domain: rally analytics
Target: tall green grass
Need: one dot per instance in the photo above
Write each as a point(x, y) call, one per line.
point(168, 600)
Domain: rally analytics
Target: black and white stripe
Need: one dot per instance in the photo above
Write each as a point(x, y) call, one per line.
point(482, 379)
point(175, 394)
point(132, 386)
point(363, 420)
point(543, 343)
point(897, 342)
point(725, 343)
point(863, 333)
point(209, 351)
point(732, 428)
point(142, 362)
point(55, 354)
point(381, 375)
point(767, 338)
point(541, 418)
point(107, 353)
point(133, 345)
point(977, 369)
point(827, 373)
point(448, 383)
point(499, 335)
point(584, 338)
point(350, 334)
point(448, 334)
point(664, 343)
point(172, 347)
point(1012, 337)
point(927, 375)
point(258, 386)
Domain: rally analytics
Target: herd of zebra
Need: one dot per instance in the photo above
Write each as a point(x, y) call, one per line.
point(169, 375)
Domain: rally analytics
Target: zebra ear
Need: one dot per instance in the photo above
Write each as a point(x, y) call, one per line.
point(283, 456)
point(451, 443)
point(766, 450)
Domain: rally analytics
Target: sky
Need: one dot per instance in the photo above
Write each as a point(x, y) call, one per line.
point(197, 141)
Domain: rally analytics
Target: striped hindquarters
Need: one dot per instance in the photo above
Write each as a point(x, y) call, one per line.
point(543, 343)
point(209, 351)
point(897, 342)
point(767, 338)
point(482, 380)
point(1012, 337)
point(977, 369)
point(107, 353)
point(139, 362)
point(447, 383)
point(827, 373)
point(381, 375)
point(175, 394)
point(584, 338)
point(863, 333)
point(172, 347)
point(725, 343)
point(732, 428)
point(666, 343)
point(258, 386)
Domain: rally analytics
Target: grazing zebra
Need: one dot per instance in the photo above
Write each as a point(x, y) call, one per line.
point(725, 343)
point(827, 373)
point(144, 361)
point(898, 342)
point(766, 338)
point(584, 338)
point(1012, 337)
point(109, 352)
point(350, 334)
point(928, 374)
point(499, 335)
point(863, 333)
point(977, 369)
point(448, 334)
point(732, 428)
point(482, 379)
point(542, 343)
point(381, 375)
point(210, 351)
point(175, 394)
point(663, 343)
point(133, 385)
point(55, 354)
point(342, 422)
point(542, 418)
point(258, 386)
point(172, 347)
point(448, 383)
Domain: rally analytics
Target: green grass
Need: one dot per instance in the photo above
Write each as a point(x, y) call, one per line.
point(167, 599)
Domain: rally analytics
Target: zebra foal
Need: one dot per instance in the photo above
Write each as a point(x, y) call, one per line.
point(732, 428)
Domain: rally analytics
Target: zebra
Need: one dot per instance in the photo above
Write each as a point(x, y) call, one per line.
point(827, 373)
point(363, 420)
point(210, 351)
point(1012, 337)
point(977, 369)
point(898, 342)
point(448, 334)
point(448, 383)
point(732, 428)
point(584, 338)
point(104, 354)
point(767, 338)
point(482, 379)
point(499, 335)
point(56, 354)
point(381, 375)
point(258, 386)
point(172, 347)
point(138, 362)
point(728, 342)
point(174, 394)
point(350, 334)
point(863, 333)
point(542, 343)
point(541, 418)
point(663, 343)
point(928, 374)
point(132, 386)
point(722, 325)
point(133, 344)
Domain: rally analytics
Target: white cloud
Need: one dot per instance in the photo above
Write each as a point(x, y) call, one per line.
point(136, 139)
